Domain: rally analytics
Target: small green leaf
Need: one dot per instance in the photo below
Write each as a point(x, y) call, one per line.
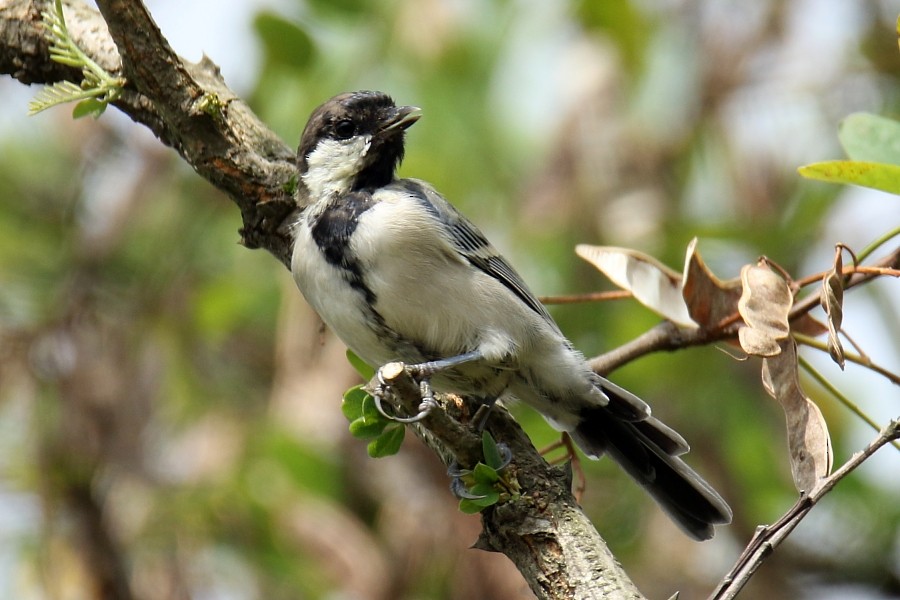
point(388, 443)
point(290, 187)
point(210, 104)
point(352, 404)
point(866, 174)
point(365, 429)
point(360, 365)
point(491, 453)
point(487, 490)
point(370, 423)
point(469, 507)
point(370, 411)
point(90, 107)
point(871, 138)
point(485, 474)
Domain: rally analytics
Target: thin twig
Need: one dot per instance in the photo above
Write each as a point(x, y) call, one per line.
point(847, 271)
point(767, 538)
point(891, 261)
point(589, 297)
point(850, 404)
point(857, 347)
point(868, 250)
point(571, 455)
point(864, 361)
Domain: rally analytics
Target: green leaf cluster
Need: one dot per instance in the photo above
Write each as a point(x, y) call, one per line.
point(366, 423)
point(97, 89)
point(487, 483)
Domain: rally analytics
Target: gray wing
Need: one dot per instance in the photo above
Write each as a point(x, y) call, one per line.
point(472, 244)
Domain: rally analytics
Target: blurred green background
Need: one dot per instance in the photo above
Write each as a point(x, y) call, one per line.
point(169, 406)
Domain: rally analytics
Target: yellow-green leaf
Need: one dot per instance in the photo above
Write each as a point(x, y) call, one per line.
point(363, 428)
point(89, 107)
point(878, 176)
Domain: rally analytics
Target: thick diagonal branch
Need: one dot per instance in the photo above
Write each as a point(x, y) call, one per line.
point(187, 106)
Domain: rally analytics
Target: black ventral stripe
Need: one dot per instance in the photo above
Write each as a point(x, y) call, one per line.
point(332, 230)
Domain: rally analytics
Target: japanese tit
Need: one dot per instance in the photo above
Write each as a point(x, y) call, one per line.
point(400, 275)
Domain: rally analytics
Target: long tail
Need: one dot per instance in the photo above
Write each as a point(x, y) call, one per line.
point(649, 452)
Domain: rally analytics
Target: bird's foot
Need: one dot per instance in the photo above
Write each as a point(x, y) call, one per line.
point(422, 373)
point(385, 375)
point(461, 479)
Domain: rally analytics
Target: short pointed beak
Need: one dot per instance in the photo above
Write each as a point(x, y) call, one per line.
point(403, 117)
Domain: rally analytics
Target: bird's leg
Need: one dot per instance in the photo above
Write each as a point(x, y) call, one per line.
point(422, 372)
point(426, 369)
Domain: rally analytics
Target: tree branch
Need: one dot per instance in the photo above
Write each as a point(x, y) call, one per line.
point(187, 106)
point(767, 538)
point(667, 336)
point(543, 530)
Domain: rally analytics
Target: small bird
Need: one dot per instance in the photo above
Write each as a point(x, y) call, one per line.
point(400, 275)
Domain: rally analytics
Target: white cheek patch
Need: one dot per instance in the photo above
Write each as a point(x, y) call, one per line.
point(333, 165)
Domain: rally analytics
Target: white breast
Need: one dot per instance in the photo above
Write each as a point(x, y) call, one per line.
point(431, 296)
point(341, 307)
point(427, 291)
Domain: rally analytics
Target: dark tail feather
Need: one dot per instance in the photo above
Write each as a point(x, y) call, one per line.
point(648, 450)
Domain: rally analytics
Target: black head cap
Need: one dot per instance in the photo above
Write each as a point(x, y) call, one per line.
point(353, 114)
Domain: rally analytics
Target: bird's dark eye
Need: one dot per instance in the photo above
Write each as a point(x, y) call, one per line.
point(344, 129)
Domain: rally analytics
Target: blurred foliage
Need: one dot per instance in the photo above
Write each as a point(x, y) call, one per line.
point(149, 359)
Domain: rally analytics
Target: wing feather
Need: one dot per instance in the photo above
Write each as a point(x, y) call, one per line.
point(468, 240)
